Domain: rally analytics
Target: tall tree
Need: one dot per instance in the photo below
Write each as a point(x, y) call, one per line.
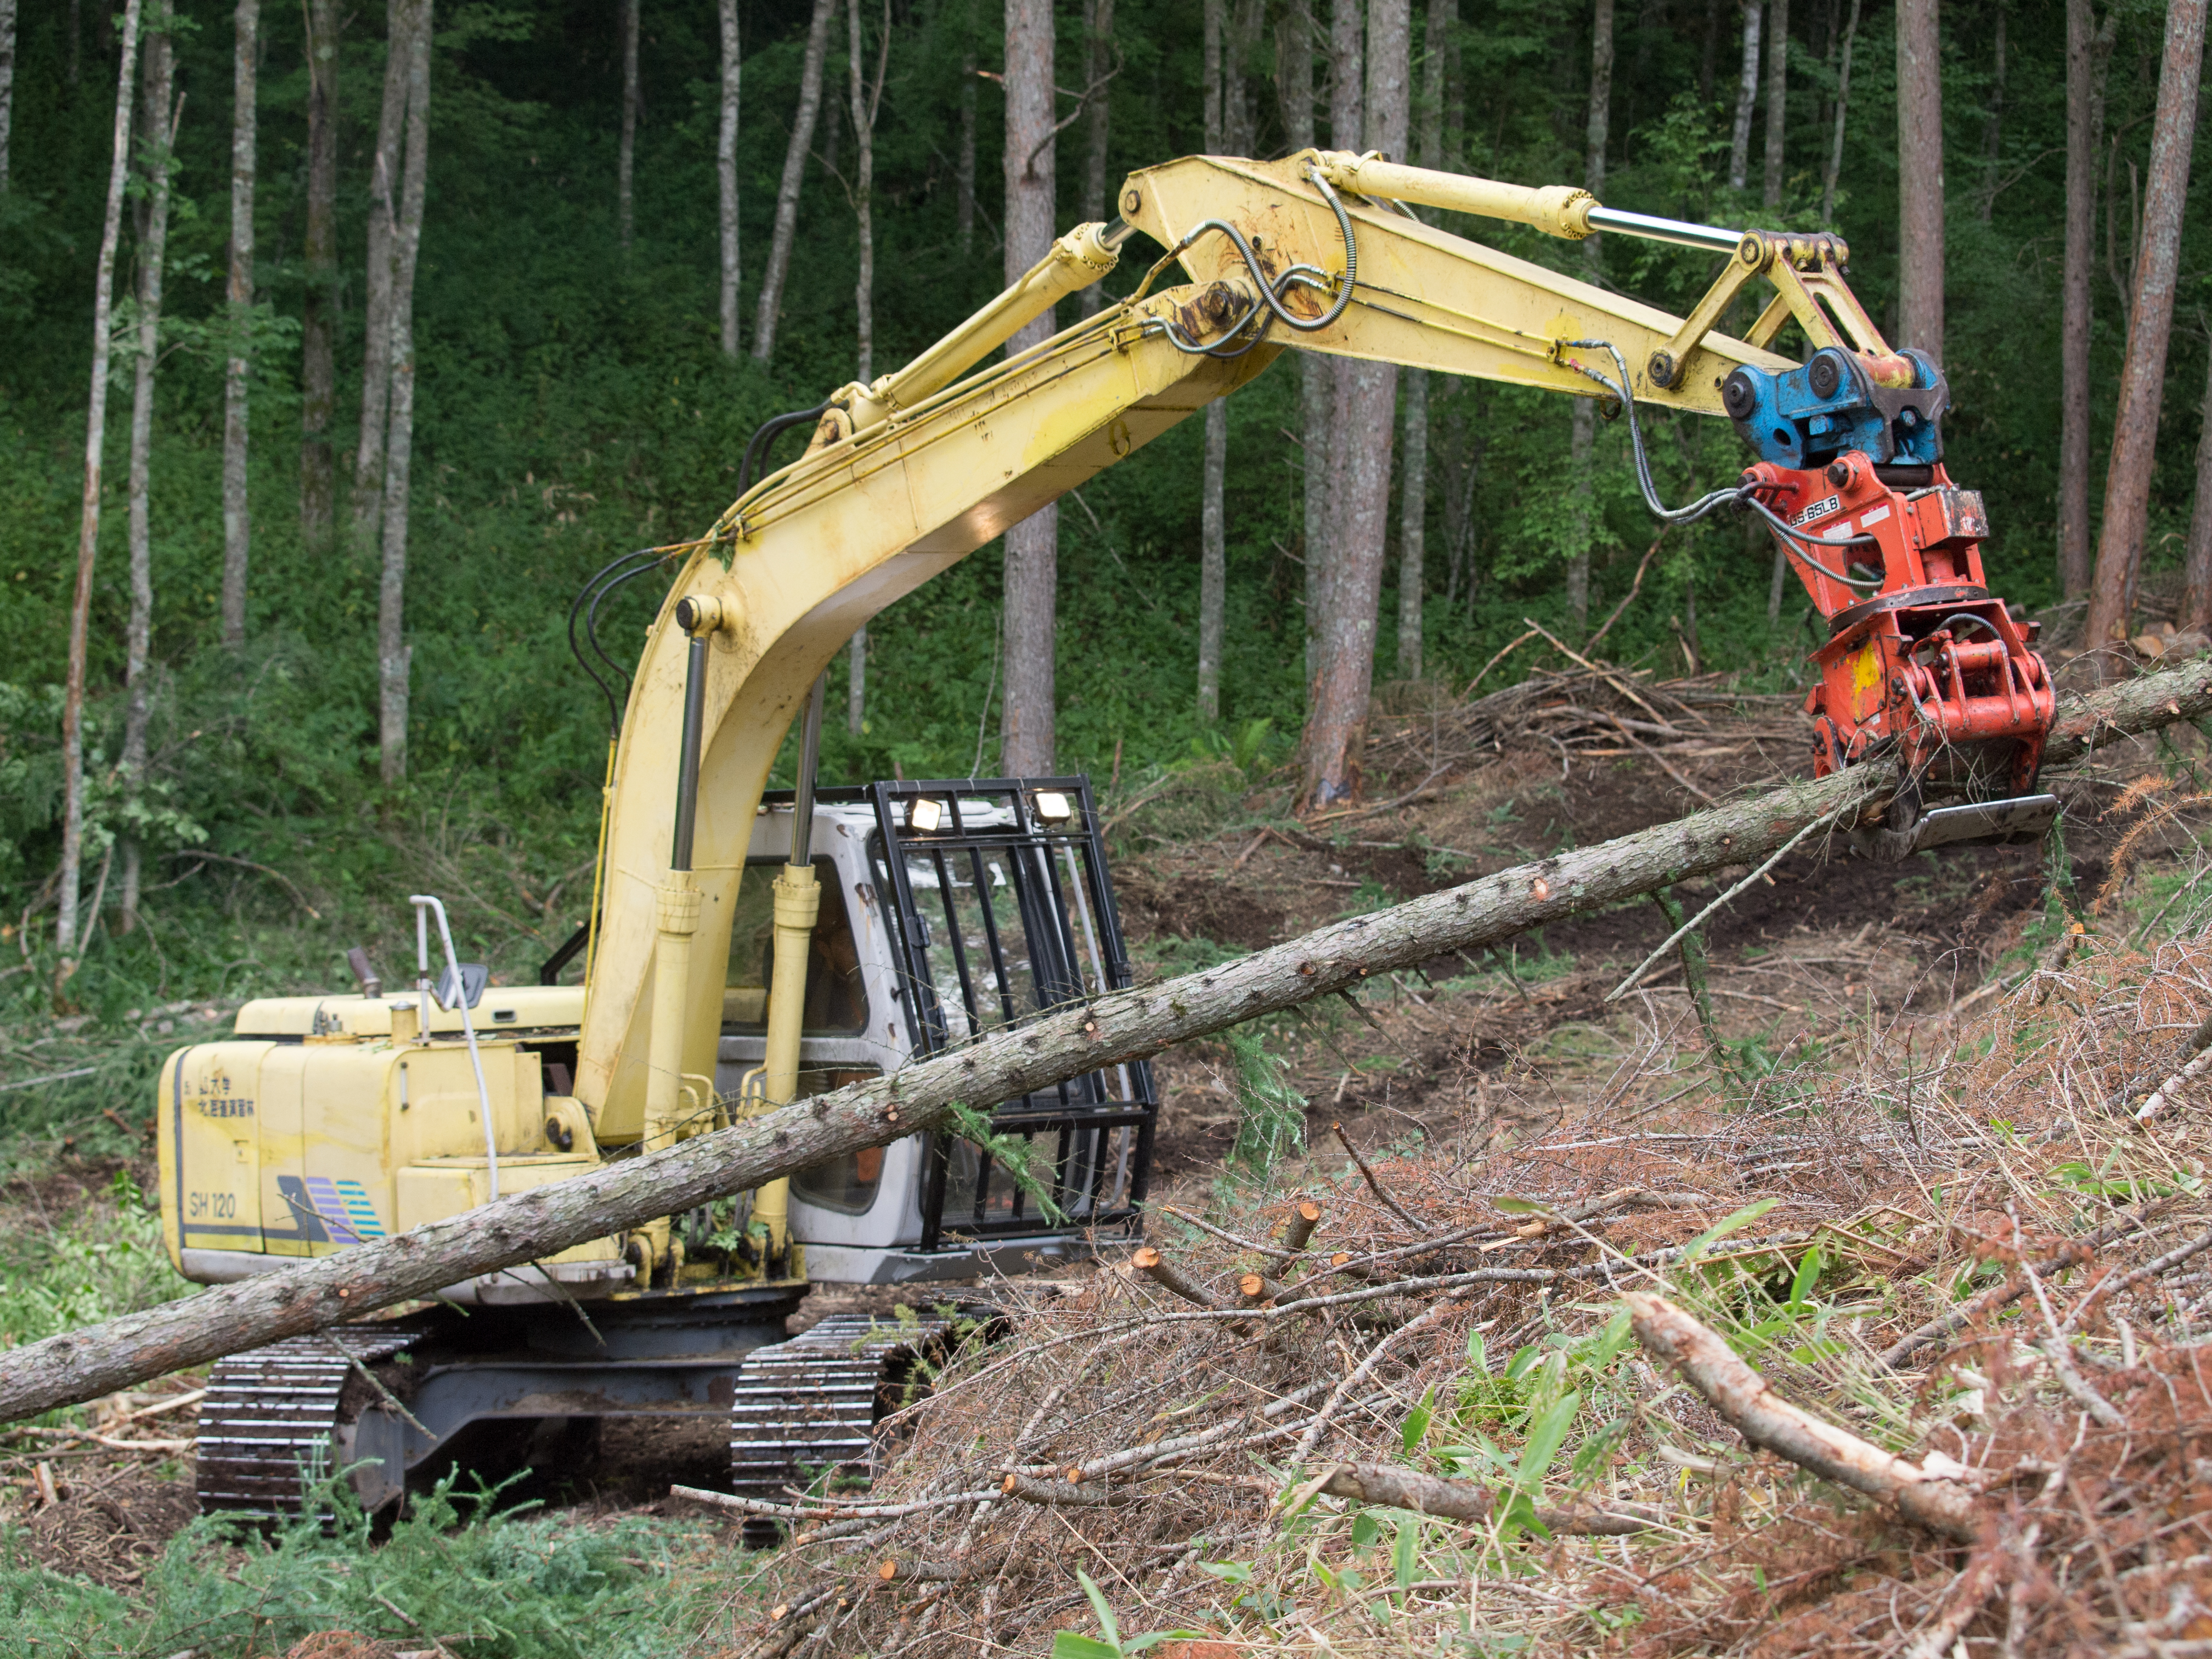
point(1919, 178)
point(1339, 720)
point(157, 145)
point(1347, 117)
point(1777, 97)
point(867, 99)
point(376, 287)
point(1746, 100)
point(1213, 529)
point(1993, 131)
point(626, 155)
point(1032, 571)
point(726, 174)
point(2150, 322)
point(794, 173)
point(319, 312)
point(1098, 35)
point(237, 511)
point(1582, 430)
point(1414, 505)
point(392, 652)
point(7, 84)
point(2088, 48)
point(1842, 104)
point(963, 164)
point(66, 934)
point(2196, 567)
point(1294, 51)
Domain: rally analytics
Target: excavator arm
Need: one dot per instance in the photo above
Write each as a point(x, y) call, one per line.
point(906, 475)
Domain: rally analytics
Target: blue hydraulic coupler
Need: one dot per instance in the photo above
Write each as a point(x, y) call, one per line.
point(1807, 416)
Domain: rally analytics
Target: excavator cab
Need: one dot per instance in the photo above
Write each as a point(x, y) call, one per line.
point(949, 910)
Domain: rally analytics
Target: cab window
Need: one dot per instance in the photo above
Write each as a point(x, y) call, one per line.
point(836, 994)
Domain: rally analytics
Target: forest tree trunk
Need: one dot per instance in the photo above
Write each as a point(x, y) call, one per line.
point(237, 511)
point(1581, 431)
point(2086, 46)
point(626, 154)
point(316, 1293)
point(1339, 721)
point(392, 652)
point(1842, 106)
point(1098, 192)
point(66, 934)
point(7, 85)
point(1413, 504)
point(1347, 94)
point(1920, 179)
point(795, 173)
point(1777, 97)
point(1993, 134)
point(1032, 566)
point(2196, 592)
point(1212, 532)
point(1294, 89)
point(2150, 324)
point(1746, 100)
point(866, 101)
point(319, 309)
point(963, 164)
point(157, 145)
point(376, 311)
point(726, 174)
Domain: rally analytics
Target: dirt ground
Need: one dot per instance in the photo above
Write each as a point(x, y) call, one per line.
point(1460, 1049)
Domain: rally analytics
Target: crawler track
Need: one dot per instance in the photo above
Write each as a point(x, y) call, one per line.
point(812, 1402)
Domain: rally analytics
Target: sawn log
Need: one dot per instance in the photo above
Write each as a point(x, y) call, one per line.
point(99, 1360)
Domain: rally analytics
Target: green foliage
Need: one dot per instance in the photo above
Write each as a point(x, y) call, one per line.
point(1108, 1644)
point(97, 1263)
point(1025, 1158)
point(454, 1569)
point(1271, 1115)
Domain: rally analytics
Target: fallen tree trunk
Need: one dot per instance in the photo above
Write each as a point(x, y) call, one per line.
point(84, 1364)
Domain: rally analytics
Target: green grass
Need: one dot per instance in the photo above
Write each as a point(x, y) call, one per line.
point(497, 1584)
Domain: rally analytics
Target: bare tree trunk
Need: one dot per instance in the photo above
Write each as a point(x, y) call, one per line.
point(626, 155)
point(66, 934)
point(2197, 593)
point(1993, 135)
point(726, 174)
point(1338, 721)
point(392, 652)
point(318, 313)
point(1212, 532)
point(158, 125)
point(1347, 112)
point(856, 681)
point(2077, 292)
point(1033, 570)
point(2150, 322)
point(1777, 96)
point(1098, 32)
point(964, 165)
point(7, 85)
point(866, 101)
point(1746, 100)
point(1294, 93)
point(1843, 104)
point(1581, 432)
point(1919, 178)
point(237, 512)
point(376, 314)
point(794, 173)
point(1413, 506)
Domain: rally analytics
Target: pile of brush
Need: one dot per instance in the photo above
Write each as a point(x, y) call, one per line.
point(1912, 1353)
point(1589, 709)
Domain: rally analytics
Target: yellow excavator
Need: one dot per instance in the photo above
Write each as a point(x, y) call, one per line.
point(746, 949)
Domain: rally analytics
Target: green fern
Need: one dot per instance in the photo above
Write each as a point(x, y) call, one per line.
point(1271, 1115)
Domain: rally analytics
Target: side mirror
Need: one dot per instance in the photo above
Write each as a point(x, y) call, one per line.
point(474, 976)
